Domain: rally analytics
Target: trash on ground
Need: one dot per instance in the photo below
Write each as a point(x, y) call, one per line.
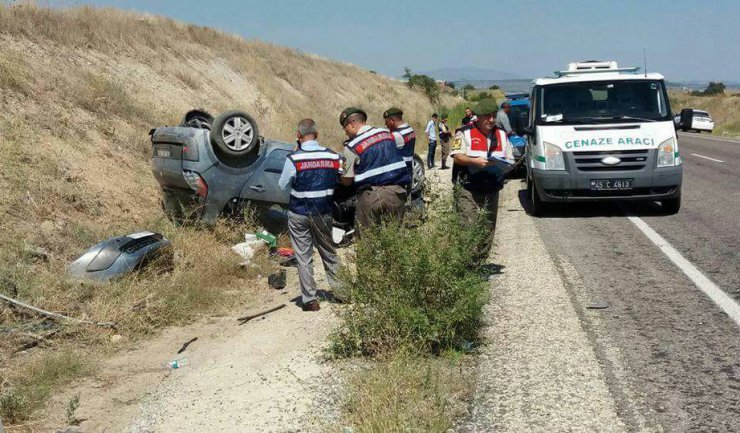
point(118, 256)
point(598, 305)
point(177, 363)
point(464, 345)
point(246, 319)
point(277, 280)
point(268, 237)
point(187, 343)
point(246, 249)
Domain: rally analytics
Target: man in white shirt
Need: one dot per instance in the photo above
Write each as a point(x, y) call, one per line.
point(431, 132)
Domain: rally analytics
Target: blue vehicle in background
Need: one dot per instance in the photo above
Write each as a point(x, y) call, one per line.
point(518, 118)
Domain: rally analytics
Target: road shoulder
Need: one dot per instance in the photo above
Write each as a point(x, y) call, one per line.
point(537, 370)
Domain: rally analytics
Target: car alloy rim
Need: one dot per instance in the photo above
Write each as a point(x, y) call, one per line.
point(418, 174)
point(237, 133)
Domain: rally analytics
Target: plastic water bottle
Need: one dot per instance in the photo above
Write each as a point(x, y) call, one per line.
point(176, 363)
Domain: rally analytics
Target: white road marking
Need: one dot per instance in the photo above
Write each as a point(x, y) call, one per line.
point(706, 157)
point(728, 140)
point(727, 304)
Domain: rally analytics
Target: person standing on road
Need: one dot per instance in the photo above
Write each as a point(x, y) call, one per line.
point(444, 139)
point(502, 119)
point(312, 172)
point(479, 183)
point(431, 131)
point(375, 165)
point(403, 134)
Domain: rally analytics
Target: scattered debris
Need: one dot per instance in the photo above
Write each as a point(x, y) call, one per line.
point(55, 316)
point(176, 363)
point(268, 237)
point(187, 343)
point(277, 280)
point(247, 248)
point(117, 256)
point(598, 305)
point(246, 319)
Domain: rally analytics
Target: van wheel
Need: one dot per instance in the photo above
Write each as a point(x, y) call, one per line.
point(671, 206)
point(539, 207)
point(529, 187)
point(235, 138)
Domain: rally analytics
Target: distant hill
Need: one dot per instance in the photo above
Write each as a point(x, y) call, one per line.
point(470, 73)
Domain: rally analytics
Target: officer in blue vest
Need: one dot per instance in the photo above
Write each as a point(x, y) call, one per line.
point(403, 134)
point(312, 172)
point(375, 165)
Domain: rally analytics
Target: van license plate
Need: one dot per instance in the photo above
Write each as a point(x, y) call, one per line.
point(164, 153)
point(612, 184)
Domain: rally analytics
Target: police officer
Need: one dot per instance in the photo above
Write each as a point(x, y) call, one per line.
point(479, 181)
point(403, 134)
point(376, 167)
point(312, 172)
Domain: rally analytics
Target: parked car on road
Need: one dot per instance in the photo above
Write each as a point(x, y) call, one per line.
point(518, 119)
point(208, 167)
point(694, 120)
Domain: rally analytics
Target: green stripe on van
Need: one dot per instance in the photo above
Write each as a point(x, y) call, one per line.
point(540, 158)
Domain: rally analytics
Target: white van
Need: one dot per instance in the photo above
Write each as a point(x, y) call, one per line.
point(600, 132)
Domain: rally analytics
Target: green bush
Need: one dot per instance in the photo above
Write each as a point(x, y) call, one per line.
point(712, 89)
point(413, 289)
point(426, 82)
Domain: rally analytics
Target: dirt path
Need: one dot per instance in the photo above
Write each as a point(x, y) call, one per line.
point(267, 375)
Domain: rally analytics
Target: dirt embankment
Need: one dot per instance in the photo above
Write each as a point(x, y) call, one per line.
point(80, 90)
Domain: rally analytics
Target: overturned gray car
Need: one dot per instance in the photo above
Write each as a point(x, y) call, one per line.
point(208, 167)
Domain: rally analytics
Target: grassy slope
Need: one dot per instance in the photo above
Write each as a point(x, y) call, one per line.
point(725, 109)
point(80, 90)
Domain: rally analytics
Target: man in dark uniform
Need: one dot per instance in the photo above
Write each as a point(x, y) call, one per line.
point(403, 134)
point(375, 165)
point(311, 172)
point(479, 181)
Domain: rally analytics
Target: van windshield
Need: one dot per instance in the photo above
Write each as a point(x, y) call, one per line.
point(603, 102)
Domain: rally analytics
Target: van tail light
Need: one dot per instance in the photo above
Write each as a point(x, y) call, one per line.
point(196, 183)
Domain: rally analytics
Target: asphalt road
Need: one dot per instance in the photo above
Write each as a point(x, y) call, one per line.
point(670, 355)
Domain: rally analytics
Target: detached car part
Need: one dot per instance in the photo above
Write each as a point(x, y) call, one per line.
point(118, 256)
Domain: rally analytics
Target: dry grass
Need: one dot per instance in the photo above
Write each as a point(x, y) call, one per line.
point(407, 394)
point(26, 390)
point(725, 109)
point(80, 90)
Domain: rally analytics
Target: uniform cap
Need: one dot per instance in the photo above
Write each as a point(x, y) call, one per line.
point(348, 112)
point(392, 111)
point(486, 106)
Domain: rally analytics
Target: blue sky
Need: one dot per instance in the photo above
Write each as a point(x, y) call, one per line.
point(685, 40)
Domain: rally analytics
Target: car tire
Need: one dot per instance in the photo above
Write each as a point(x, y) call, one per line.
point(529, 186)
point(197, 119)
point(418, 175)
point(671, 206)
point(539, 207)
point(235, 134)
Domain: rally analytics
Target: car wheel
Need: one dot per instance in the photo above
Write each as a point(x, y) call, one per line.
point(529, 186)
point(418, 174)
point(671, 206)
point(197, 119)
point(235, 134)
